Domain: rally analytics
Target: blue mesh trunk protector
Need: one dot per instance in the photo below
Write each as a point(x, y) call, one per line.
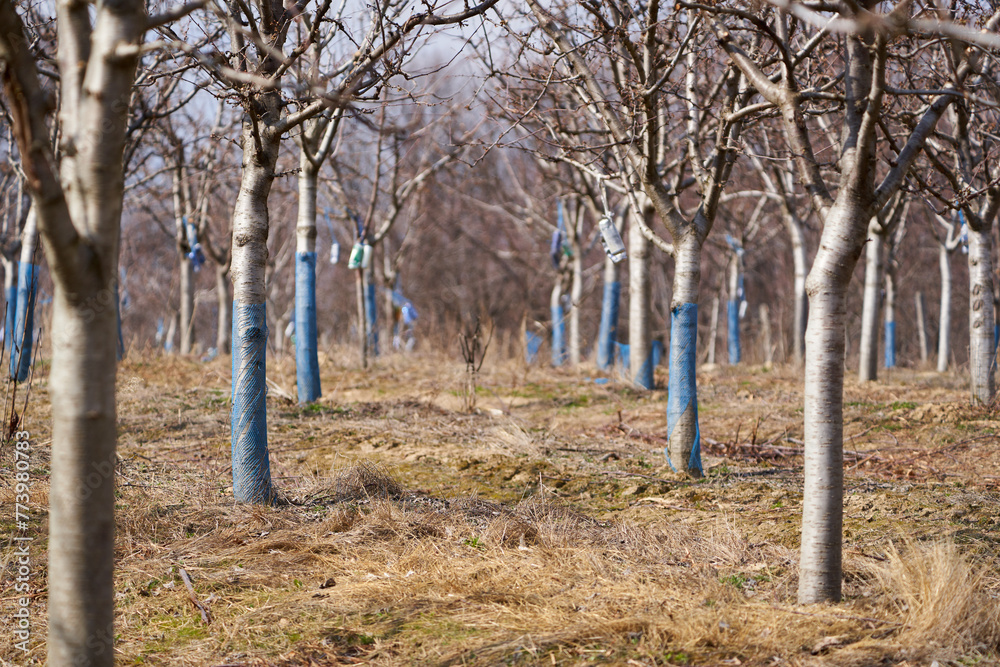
point(682, 387)
point(890, 344)
point(10, 314)
point(644, 378)
point(609, 325)
point(24, 321)
point(306, 356)
point(733, 318)
point(558, 336)
point(534, 344)
point(251, 467)
point(120, 347)
point(622, 356)
point(371, 319)
point(996, 337)
point(656, 352)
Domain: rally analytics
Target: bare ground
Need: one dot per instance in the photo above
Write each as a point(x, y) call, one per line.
point(544, 528)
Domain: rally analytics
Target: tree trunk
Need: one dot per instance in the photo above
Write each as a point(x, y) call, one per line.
point(186, 304)
point(224, 301)
point(371, 310)
point(944, 324)
point(981, 355)
point(639, 327)
point(733, 308)
point(890, 319)
point(713, 329)
point(868, 364)
point(558, 324)
point(10, 294)
point(765, 328)
point(27, 288)
point(801, 264)
point(684, 447)
point(576, 296)
point(359, 292)
point(820, 565)
point(609, 316)
point(185, 265)
point(251, 466)
point(306, 353)
point(921, 325)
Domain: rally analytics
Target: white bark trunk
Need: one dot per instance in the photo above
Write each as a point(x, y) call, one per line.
point(682, 418)
point(713, 329)
point(764, 314)
point(890, 318)
point(576, 296)
point(251, 463)
point(921, 315)
point(185, 265)
point(981, 353)
point(224, 304)
point(868, 357)
point(944, 323)
point(801, 264)
point(639, 330)
point(820, 564)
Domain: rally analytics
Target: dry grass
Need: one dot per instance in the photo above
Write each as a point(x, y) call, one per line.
point(414, 534)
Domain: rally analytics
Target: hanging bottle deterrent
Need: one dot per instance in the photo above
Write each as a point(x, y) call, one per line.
point(334, 252)
point(611, 240)
point(357, 256)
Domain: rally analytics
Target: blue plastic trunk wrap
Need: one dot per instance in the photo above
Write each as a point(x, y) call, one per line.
point(10, 315)
point(534, 344)
point(682, 388)
point(251, 467)
point(609, 325)
point(996, 337)
point(733, 318)
point(622, 357)
point(890, 344)
point(306, 355)
point(558, 336)
point(371, 319)
point(644, 378)
point(24, 321)
point(656, 352)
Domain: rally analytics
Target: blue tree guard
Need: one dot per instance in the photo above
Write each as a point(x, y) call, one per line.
point(890, 344)
point(10, 314)
point(371, 318)
point(533, 343)
point(558, 335)
point(682, 387)
point(733, 337)
point(645, 378)
point(623, 357)
point(251, 467)
point(24, 321)
point(609, 325)
point(306, 354)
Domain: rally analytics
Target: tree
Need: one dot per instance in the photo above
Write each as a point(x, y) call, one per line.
point(254, 74)
point(862, 65)
point(618, 64)
point(78, 203)
point(881, 229)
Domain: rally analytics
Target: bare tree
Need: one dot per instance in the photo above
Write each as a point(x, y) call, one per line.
point(860, 74)
point(78, 202)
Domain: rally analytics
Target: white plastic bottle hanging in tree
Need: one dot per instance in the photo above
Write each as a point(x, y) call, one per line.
point(611, 240)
